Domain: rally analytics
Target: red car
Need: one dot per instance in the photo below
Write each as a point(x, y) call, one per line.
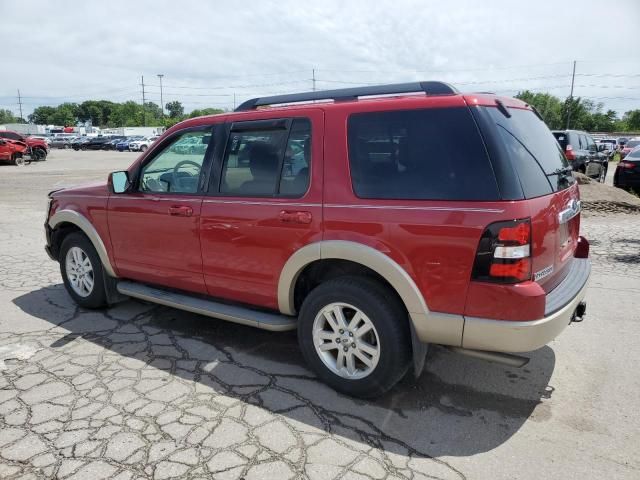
point(12, 151)
point(628, 147)
point(38, 149)
point(373, 226)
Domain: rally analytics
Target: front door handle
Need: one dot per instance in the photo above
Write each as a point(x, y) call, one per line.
point(288, 216)
point(180, 211)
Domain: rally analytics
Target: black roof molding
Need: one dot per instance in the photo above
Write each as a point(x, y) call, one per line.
point(344, 94)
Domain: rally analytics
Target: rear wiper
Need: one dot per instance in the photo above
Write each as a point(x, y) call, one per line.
point(564, 171)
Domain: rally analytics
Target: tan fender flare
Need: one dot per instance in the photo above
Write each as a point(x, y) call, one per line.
point(80, 221)
point(433, 327)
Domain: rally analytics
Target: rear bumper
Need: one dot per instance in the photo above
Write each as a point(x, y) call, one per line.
point(509, 336)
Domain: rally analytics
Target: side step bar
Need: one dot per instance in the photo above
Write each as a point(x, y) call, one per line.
point(231, 313)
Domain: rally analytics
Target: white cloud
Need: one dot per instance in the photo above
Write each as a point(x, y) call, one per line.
point(71, 51)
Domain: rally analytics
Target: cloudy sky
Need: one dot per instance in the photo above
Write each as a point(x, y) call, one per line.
point(208, 51)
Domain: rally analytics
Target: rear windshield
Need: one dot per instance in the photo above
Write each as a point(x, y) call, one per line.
point(561, 137)
point(538, 159)
point(430, 154)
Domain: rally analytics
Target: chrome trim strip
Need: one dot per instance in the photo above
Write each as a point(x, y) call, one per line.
point(407, 207)
point(256, 202)
point(70, 216)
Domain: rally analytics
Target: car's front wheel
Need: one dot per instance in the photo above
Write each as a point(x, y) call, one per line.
point(143, 148)
point(81, 270)
point(354, 334)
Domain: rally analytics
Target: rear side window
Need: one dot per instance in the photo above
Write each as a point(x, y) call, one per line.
point(431, 154)
point(268, 162)
point(533, 151)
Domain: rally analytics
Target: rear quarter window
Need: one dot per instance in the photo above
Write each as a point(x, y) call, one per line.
point(430, 154)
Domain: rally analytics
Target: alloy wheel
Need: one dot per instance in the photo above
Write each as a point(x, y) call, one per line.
point(79, 271)
point(346, 341)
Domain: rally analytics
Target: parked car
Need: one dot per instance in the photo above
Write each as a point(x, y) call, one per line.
point(124, 145)
point(79, 142)
point(12, 151)
point(425, 217)
point(627, 174)
point(37, 148)
point(583, 153)
point(61, 142)
point(608, 146)
point(143, 144)
point(628, 147)
point(95, 143)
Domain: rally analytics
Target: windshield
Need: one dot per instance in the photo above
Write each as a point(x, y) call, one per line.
point(633, 143)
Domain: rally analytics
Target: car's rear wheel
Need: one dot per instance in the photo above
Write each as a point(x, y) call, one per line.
point(143, 148)
point(17, 160)
point(354, 334)
point(38, 154)
point(81, 270)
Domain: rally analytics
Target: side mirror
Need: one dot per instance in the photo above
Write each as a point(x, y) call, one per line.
point(119, 181)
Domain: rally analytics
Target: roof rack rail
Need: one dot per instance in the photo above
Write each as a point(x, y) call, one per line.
point(430, 88)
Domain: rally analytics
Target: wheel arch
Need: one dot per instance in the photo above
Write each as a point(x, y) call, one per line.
point(429, 326)
point(66, 217)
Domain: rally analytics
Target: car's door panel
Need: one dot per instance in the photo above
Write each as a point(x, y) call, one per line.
point(247, 238)
point(154, 229)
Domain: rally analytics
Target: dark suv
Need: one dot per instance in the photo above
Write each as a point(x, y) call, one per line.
point(583, 153)
point(372, 226)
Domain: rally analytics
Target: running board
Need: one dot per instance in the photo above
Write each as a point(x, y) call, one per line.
point(231, 313)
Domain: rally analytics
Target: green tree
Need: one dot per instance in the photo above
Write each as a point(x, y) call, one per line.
point(205, 111)
point(631, 120)
point(42, 115)
point(175, 109)
point(6, 116)
point(549, 106)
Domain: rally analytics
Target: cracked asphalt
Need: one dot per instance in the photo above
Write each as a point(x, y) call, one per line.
point(142, 391)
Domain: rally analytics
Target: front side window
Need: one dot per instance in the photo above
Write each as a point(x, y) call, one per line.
point(268, 162)
point(177, 168)
point(432, 154)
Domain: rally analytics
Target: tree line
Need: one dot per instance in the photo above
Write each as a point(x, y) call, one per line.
point(104, 113)
point(585, 114)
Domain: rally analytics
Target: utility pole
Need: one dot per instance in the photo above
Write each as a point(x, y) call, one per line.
point(160, 75)
point(20, 103)
point(313, 78)
point(234, 100)
point(573, 77)
point(144, 110)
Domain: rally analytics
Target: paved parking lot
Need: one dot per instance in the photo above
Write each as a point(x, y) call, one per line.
point(141, 391)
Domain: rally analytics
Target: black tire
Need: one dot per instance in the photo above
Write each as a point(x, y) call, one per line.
point(389, 318)
point(38, 154)
point(17, 160)
point(143, 148)
point(97, 298)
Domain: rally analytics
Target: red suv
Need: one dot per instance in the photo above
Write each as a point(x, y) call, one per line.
point(373, 226)
point(12, 151)
point(37, 148)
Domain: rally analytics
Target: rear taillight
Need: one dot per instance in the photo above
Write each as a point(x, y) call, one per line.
point(568, 152)
point(626, 165)
point(504, 253)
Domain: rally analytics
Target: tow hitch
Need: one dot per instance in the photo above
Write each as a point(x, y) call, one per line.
point(581, 311)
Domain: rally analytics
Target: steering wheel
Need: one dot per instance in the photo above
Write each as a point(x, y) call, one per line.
point(183, 163)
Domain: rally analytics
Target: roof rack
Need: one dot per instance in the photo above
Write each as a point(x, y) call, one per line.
point(343, 94)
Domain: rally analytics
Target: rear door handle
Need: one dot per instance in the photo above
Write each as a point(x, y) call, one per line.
point(288, 216)
point(180, 211)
